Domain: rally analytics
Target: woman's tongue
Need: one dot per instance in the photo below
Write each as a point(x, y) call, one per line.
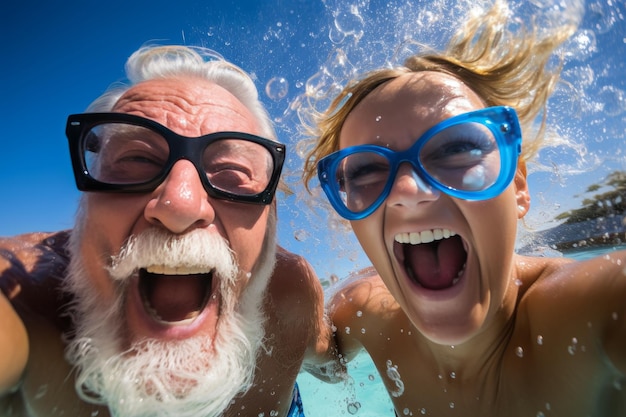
point(435, 265)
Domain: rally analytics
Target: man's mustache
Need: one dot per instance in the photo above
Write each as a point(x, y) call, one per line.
point(198, 251)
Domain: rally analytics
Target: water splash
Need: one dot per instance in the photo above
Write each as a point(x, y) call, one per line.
point(394, 375)
point(354, 407)
point(277, 88)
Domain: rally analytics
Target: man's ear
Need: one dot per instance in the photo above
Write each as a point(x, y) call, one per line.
point(521, 190)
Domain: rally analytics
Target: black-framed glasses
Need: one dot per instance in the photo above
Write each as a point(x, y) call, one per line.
point(125, 153)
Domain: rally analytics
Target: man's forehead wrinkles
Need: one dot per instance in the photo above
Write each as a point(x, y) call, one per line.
point(188, 109)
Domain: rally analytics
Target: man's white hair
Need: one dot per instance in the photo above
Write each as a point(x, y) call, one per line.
point(174, 61)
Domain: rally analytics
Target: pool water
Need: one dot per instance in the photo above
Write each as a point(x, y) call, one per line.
point(364, 394)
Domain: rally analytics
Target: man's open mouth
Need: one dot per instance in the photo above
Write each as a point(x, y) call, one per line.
point(174, 295)
point(434, 259)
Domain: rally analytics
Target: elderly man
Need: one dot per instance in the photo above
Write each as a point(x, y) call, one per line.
point(176, 300)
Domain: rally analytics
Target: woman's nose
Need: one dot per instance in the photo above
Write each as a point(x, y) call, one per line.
point(180, 202)
point(409, 189)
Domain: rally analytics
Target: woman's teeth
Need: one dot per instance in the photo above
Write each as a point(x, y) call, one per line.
point(426, 236)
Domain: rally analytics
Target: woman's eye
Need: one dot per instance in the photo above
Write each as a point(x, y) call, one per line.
point(366, 173)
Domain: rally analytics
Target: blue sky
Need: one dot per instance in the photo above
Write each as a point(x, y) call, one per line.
point(58, 56)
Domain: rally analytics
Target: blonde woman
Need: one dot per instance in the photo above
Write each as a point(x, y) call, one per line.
point(428, 164)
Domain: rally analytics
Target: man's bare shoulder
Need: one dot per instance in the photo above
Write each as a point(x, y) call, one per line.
point(32, 267)
point(27, 253)
point(293, 271)
point(294, 288)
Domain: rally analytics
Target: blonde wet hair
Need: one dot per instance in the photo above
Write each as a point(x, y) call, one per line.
point(504, 68)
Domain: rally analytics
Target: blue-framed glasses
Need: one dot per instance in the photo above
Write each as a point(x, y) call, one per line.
point(124, 153)
point(472, 156)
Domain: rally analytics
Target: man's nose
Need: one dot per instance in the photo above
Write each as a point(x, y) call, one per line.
point(409, 189)
point(180, 203)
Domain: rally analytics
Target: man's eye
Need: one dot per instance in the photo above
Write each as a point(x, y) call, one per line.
point(237, 179)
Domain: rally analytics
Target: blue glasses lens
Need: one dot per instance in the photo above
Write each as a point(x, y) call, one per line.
point(463, 157)
point(361, 178)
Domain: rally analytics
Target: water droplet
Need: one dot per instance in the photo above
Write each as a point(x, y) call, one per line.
point(349, 22)
point(301, 235)
point(519, 351)
point(451, 405)
point(363, 330)
point(370, 377)
point(604, 15)
point(359, 313)
point(612, 99)
point(277, 88)
point(540, 414)
point(406, 411)
point(453, 375)
point(354, 407)
point(423, 410)
point(378, 118)
point(336, 36)
point(582, 45)
point(540, 340)
point(41, 392)
point(394, 375)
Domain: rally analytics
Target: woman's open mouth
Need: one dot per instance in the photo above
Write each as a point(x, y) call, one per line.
point(174, 296)
point(433, 259)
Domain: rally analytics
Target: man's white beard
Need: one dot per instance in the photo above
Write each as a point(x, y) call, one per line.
point(193, 377)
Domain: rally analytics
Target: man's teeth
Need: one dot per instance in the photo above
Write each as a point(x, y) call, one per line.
point(173, 270)
point(426, 236)
point(191, 316)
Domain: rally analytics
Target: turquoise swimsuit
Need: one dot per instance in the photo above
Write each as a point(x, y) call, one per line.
point(296, 410)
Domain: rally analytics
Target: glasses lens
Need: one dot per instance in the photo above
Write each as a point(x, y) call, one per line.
point(361, 178)
point(238, 166)
point(120, 153)
point(464, 157)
